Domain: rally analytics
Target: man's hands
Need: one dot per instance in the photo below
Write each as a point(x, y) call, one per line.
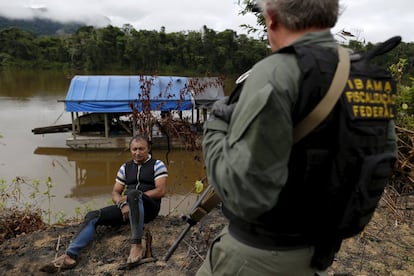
point(125, 212)
point(123, 206)
point(221, 110)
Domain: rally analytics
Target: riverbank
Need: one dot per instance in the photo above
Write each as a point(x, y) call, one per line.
point(385, 248)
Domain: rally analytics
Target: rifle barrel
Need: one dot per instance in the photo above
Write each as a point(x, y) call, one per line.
point(190, 223)
point(177, 242)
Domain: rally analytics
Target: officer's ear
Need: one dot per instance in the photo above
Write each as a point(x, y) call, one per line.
point(272, 21)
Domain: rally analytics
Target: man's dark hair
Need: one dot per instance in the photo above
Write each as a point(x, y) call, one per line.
point(140, 137)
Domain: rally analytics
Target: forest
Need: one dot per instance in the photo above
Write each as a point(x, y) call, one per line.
point(125, 49)
point(113, 49)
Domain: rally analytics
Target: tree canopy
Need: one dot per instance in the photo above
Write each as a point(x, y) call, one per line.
point(126, 49)
point(112, 49)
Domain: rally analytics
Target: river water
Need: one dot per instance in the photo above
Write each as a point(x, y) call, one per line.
point(78, 180)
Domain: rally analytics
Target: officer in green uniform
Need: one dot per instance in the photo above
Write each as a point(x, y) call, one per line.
point(247, 146)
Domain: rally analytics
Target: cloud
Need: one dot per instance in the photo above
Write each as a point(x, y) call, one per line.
point(142, 14)
point(378, 20)
point(372, 21)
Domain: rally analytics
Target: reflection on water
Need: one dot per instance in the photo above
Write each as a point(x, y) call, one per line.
point(27, 84)
point(95, 171)
point(80, 178)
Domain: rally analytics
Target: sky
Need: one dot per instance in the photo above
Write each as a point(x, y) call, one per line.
point(369, 20)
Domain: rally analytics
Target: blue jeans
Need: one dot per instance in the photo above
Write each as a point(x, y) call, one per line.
point(142, 209)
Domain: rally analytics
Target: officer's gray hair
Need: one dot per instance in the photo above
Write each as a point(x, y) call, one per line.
point(299, 15)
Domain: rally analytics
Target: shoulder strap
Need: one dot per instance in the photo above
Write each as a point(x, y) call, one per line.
point(325, 106)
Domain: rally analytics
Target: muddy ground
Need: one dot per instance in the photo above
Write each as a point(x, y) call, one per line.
point(385, 248)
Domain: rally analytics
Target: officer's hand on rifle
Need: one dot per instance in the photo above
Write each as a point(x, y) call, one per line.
point(221, 110)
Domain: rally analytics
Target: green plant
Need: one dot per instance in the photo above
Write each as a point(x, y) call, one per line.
point(405, 99)
point(19, 210)
point(3, 195)
point(26, 196)
point(403, 181)
point(78, 213)
point(49, 195)
point(60, 217)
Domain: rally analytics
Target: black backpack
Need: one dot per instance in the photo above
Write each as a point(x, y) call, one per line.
point(338, 172)
point(365, 161)
point(347, 160)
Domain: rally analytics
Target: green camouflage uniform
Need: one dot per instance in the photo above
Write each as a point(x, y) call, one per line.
point(247, 163)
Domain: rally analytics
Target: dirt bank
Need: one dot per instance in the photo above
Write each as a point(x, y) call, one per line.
point(385, 248)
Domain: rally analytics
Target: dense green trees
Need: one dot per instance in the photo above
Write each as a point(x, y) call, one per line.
point(113, 49)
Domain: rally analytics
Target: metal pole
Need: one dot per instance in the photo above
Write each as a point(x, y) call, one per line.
point(177, 242)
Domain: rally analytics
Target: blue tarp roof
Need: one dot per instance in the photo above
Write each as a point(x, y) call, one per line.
point(110, 94)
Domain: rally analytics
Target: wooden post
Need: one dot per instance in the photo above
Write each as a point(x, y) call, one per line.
point(106, 125)
point(73, 125)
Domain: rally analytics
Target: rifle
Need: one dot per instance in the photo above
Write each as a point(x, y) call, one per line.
point(205, 203)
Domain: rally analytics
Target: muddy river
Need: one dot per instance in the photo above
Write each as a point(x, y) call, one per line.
point(42, 171)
